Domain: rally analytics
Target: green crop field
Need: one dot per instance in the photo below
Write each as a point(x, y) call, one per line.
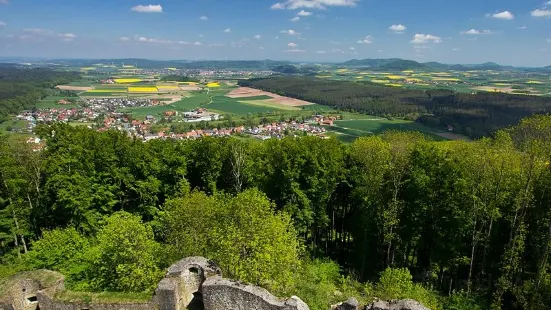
point(102, 94)
point(184, 105)
point(234, 106)
point(351, 129)
point(51, 102)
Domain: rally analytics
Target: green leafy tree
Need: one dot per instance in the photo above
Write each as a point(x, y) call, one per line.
point(126, 257)
point(243, 234)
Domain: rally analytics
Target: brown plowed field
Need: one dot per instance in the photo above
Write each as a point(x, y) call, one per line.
point(245, 92)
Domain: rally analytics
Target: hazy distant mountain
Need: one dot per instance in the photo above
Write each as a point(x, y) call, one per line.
point(401, 64)
point(179, 64)
point(384, 64)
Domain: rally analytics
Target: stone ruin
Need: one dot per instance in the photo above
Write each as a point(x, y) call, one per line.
point(405, 304)
point(194, 283)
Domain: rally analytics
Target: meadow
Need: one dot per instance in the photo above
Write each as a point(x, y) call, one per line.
point(364, 125)
point(52, 102)
point(236, 106)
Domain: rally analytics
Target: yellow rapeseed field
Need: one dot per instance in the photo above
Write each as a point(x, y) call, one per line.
point(142, 89)
point(168, 86)
point(394, 77)
point(126, 81)
point(342, 70)
point(213, 84)
point(408, 71)
point(379, 81)
point(534, 82)
point(394, 85)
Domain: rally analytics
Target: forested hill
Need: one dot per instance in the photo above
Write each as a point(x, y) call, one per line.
point(21, 88)
point(111, 213)
point(473, 115)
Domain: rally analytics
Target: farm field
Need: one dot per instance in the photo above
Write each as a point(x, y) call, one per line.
point(350, 129)
point(227, 105)
point(52, 102)
point(183, 105)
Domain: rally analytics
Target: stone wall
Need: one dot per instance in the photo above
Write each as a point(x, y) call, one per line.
point(48, 303)
point(224, 294)
point(194, 283)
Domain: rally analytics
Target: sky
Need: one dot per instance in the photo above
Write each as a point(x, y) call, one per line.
point(509, 32)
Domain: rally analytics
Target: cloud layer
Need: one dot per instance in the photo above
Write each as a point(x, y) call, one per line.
point(420, 38)
point(312, 4)
point(151, 8)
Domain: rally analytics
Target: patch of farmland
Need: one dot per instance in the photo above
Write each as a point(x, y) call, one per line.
point(244, 92)
point(75, 88)
point(270, 104)
point(368, 127)
point(103, 94)
point(234, 106)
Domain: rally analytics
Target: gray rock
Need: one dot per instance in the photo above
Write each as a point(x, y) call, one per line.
point(350, 304)
point(405, 304)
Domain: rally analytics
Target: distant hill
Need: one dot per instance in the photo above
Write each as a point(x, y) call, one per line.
point(384, 64)
point(402, 64)
point(179, 64)
point(291, 69)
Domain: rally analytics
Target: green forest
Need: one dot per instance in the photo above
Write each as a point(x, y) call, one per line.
point(20, 89)
point(455, 225)
point(474, 115)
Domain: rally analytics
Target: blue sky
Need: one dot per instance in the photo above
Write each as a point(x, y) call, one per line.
point(515, 32)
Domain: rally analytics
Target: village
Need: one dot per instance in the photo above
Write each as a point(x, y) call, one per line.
point(102, 115)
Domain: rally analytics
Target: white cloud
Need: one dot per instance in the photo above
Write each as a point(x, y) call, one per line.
point(4, 2)
point(397, 28)
point(2, 24)
point(476, 32)
point(151, 8)
point(154, 40)
point(290, 32)
point(455, 49)
point(366, 40)
point(313, 4)
point(503, 15)
point(420, 38)
point(320, 52)
point(304, 13)
point(541, 13)
point(262, 47)
point(203, 18)
point(227, 30)
point(292, 45)
point(278, 6)
point(522, 27)
point(124, 39)
point(39, 31)
point(295, 19)
point(197, 43)
point(67, 36)
point(420, 46)
point(352, 48)
point(258, 37)
point(294, 51)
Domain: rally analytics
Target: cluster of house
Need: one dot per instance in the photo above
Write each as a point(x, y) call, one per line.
point(91, 109)
point(262, 132)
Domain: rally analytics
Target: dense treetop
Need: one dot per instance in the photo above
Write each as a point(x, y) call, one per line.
point(470, 217)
